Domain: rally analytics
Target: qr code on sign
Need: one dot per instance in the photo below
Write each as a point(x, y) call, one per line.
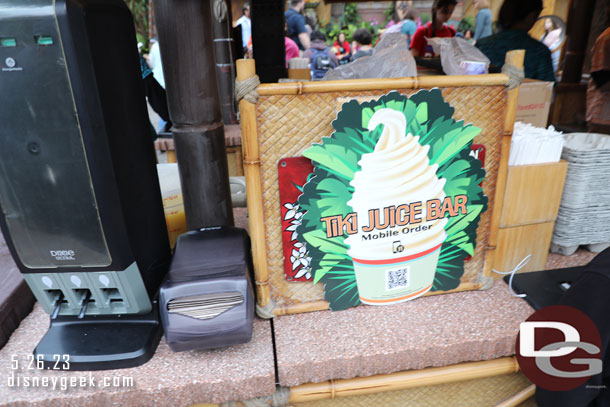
point(398, 278)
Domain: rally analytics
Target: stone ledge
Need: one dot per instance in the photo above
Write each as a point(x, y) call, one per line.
point(169, 379)
point(432, 331)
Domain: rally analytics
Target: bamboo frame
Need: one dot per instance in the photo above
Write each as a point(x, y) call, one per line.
point(246, 69)
point(360, 386)
point(300, 88)
point(323, 305)
point(403, 380)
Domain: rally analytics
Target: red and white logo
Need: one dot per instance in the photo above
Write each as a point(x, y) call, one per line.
point(559, 348)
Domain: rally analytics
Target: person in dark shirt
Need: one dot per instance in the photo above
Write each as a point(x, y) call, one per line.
point(155, 95)
point(363, 39)
point(516, 18)
point(295, 21)
point(321, 59)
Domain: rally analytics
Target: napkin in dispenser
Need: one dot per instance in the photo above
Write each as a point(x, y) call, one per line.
point(206, 300)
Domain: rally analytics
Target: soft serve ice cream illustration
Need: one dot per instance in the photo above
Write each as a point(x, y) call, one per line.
point(396, 249)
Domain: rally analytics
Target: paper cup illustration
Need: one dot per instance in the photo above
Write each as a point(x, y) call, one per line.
point(396, 249)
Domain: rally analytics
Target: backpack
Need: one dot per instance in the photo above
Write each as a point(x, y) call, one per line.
point(321, 62)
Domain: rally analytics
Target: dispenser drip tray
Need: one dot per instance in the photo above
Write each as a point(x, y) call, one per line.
point(100, 342)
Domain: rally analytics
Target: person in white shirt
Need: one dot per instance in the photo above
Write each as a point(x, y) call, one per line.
point(246, 25)
point(154, 61)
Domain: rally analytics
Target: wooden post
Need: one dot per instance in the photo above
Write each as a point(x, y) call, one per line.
point(225, 64)
point(254, 194)
point(579, 25)
point(186, 41)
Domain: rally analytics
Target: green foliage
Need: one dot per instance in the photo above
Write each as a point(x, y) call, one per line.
point(467, 23)
point(348, 24)
point(336, 161)
point(425, 17)
point(139, 10)
point(331, 31)
point(389, 14)
point(350, 15)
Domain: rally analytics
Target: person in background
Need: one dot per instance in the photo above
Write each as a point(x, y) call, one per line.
point(409, 26)
point(292, 49)
point(310, 24)
point(363, 40)
point(246, 26)
point(154, 61)
point(516, 18)
point(321, 59)
point(468, 36)
point(552, 38)
point(482, 22)
point(441, 13)
point(552, 33)
point(155, 95)
point(598, 92)
point(344, 52)
point(296, 24)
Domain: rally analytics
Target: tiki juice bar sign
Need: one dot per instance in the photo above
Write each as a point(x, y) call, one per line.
point(389, 206)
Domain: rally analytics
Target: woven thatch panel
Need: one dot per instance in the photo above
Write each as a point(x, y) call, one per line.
point(288, 124)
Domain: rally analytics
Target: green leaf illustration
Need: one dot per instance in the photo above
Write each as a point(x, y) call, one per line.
point(335, 162)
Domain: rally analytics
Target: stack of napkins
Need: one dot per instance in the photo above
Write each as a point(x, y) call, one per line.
point(205, 306)
point(584, 213)
point(534, 145)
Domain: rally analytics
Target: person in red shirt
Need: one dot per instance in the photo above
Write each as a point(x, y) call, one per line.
point(343, 50)
point(441, 13)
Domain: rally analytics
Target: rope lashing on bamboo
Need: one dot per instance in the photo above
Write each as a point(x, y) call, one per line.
point(220, 10)
point(266, 312)
point(486, 282)
point(515, 74)
point(280, 398)
point(246, 89)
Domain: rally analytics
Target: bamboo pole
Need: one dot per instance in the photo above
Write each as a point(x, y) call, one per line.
point(514, 58)
point(302, 307)
point(462, 287)
point(254, 195)
point(403, 380)
point(520, 397)
point(354, 85)
point(194, 108)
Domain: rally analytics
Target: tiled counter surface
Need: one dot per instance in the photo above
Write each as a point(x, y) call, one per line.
point(168, 379)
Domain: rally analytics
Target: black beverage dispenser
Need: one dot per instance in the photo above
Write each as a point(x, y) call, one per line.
point(79, 195)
